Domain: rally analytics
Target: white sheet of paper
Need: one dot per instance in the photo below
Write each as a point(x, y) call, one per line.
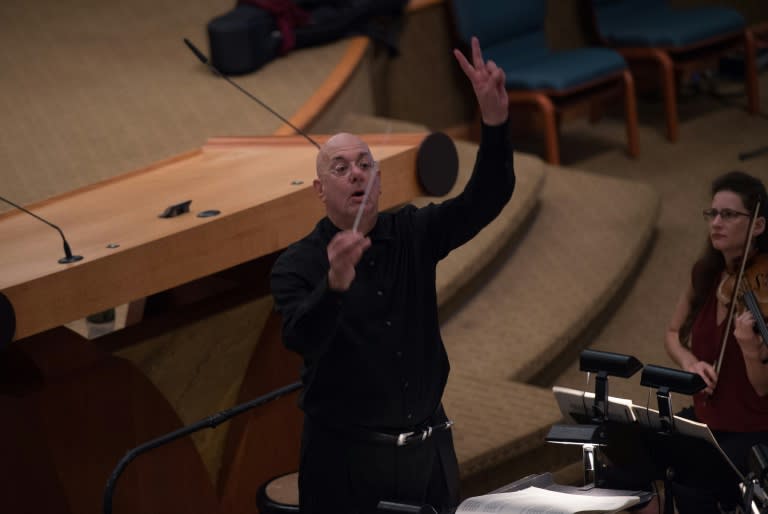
point(534, 500)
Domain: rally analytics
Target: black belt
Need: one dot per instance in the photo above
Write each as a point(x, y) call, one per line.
point(396, 439)
point(406, 438)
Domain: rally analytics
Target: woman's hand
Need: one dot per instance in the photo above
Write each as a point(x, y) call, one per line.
point(751, 343)
point(707, 372)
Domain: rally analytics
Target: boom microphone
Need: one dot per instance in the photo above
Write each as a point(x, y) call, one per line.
point(68, 257)
point(437, 161)
point(205, 61)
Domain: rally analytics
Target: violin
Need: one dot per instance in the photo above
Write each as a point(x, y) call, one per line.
point(746, 290)
point(754, 280)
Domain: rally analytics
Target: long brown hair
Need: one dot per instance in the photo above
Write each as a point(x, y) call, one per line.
point(708, 268)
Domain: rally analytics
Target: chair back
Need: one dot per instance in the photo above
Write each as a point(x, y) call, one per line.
point(498, 21)
point(653, 23)
point(607, 11)
point(508, 30)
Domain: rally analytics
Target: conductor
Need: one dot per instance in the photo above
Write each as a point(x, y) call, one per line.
point(359, 304)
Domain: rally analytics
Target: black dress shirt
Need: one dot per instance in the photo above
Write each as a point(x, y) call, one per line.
point(373, 355)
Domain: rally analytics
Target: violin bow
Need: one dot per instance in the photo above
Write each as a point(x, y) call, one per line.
point(737, 285)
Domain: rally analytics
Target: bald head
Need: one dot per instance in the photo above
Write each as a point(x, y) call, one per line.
point(340, 144)
point(345, 171)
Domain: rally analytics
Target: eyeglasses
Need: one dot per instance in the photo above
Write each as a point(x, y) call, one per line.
point(725, 214)
point(341, 168)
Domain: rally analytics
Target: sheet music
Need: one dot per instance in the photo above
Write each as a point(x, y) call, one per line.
point(536, 500)
point(574, 401)
point(650, 418)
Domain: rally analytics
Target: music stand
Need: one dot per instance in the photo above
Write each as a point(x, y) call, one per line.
point(639, 445)
point(672, 441)
point(756, 482)
point(594, 435)
point(388, 507)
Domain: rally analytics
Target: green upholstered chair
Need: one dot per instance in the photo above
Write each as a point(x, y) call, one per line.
point(511, 33)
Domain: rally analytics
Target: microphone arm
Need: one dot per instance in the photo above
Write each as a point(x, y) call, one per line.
point(209, 422)
point(205, 61)
point(68, 257)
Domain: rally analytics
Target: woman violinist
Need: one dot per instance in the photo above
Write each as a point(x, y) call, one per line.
point(735, 402)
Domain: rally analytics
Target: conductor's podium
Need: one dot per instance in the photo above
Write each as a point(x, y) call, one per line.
point(208, 335)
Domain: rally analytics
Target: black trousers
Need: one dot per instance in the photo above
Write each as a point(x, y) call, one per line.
point(345, 475)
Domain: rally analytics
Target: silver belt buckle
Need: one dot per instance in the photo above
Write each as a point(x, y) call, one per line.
point(402, 439)
point(405, 437)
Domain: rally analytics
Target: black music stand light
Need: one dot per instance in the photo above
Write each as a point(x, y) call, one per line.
point(606, 364)
point(667, 381)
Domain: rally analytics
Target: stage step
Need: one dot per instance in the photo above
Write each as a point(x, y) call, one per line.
point(541, 293)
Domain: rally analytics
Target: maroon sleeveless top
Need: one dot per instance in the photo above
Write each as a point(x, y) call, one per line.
point(734, 406)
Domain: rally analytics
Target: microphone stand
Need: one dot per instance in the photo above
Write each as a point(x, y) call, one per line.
point(201, 56)
point(209, 422)
point(437, 163)
point(68, 257)
point(743, 156)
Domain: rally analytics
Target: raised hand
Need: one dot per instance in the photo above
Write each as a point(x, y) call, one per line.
point(488, 83)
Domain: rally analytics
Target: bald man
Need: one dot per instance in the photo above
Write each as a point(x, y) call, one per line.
point(359, 303)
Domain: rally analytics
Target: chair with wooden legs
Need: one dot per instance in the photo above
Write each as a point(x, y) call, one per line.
point(675, 43)
point(551, 82)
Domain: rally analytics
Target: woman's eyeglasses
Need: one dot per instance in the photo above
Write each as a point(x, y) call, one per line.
point(725, 214)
